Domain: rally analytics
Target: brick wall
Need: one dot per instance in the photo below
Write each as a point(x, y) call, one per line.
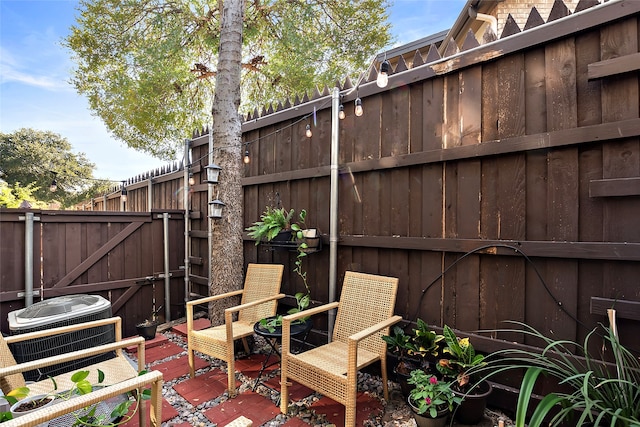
point(520, 10)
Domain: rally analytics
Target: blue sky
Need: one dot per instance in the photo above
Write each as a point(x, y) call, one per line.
point(35, 70)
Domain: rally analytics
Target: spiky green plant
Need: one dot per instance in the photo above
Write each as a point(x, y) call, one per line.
point(596, 391)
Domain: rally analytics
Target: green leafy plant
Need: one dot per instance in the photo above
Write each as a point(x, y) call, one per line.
point(400, 344)
point(12, 398)
point(431, 394)
point(459, 358)
point(81, 385)
point(302, 302)
point(605, 394)
point(272, 221)
point(426, 341)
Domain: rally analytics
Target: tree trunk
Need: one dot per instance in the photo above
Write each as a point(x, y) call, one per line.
point(227, 247)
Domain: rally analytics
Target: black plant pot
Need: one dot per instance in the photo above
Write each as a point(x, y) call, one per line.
point(471, 410)
point(403, 377)
point(147, 330)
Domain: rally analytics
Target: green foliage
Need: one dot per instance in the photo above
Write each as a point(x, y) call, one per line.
point(422, 343)
point(81, 386)
point(592, 391)
point(30, 160)
point(302, 302)
point(270, 224)
point(18, 196)
point(399, 343)
point(431, 394)
point(148, 68)
point(272, 221)
point(12, 398)
point(459, 358)
point(426, 341)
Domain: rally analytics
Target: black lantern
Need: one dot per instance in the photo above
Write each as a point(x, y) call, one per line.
point(123, 192)
point(215, 209)
point(213, 171)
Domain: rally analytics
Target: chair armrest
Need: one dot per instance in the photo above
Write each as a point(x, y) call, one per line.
point(252, 303)
point(214, 298)
point(228, 313)
point(309, 312)
point(74, 355)
point(375, 328)
point(191, 304)
point(286, 322)
point(116, 321)
point(353, 340)
point(67, 406)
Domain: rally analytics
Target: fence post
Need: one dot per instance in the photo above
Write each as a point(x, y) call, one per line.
point(167, 273)
point(28, 257)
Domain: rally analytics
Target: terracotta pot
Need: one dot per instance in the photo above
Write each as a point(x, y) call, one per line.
point(471, 410)
point(424, 420)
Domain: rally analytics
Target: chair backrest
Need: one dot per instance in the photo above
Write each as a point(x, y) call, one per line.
point(261, 281)
point(9, 382)
point(366, 300)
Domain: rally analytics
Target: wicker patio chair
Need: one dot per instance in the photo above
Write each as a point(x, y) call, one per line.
point(54, 412)
point(259, 300)
point(365, 313)
point(118, 371)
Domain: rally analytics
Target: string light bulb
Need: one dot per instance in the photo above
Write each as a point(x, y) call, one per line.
point(358, 109)
point(246, 159)
point(383, 75)
point(192, 180)
point(341, 113)
point(308, 132)
point(54, 184)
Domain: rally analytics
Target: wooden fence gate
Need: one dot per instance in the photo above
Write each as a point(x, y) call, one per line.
point(134, 260)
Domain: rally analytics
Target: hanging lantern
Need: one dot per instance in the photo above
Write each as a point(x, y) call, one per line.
point(215, 209)
point(213, 171)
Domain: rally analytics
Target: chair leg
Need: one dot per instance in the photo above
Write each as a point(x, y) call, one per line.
point(245, 343)
point(350, 405)
point(385, 386)
point(350, 416)
point(231, 377)
point(192, 370)
point(155, 414)
point(142, 412)
point(284, 393)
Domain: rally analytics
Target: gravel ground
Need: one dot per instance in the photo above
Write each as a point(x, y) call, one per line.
point(396, 411)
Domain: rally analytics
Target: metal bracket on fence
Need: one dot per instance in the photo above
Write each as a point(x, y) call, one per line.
point(24, 294)
point(162, 275)
point(160, 216)
point(22, 218)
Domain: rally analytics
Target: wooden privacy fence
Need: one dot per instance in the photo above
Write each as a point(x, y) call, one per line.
point(465, 164)
point(120, 256)
point(499, 182)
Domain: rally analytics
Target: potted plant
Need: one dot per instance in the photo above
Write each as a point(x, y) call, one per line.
point(89, 416)
point(400, 344)
point(302, 299)
point(427, 344)
point(148, 328)
point(431, 399)
point(458, 361)
point(423, 344)
point(274, 224)
point(11, 399)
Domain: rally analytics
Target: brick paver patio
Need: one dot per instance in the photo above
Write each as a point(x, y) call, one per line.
point(206, 392)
